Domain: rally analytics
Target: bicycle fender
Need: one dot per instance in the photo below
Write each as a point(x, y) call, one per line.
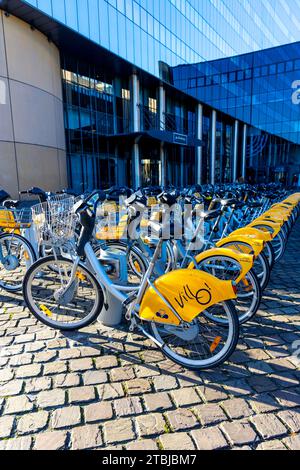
point(245, 260)
point(254, 233)
point(273, 225)
point(254, 244)
point(187, 292)
point(284, 207)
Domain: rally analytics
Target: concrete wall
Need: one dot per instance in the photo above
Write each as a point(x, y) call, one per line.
point(32, 137)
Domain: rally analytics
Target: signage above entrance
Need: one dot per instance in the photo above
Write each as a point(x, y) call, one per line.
point(180, 139)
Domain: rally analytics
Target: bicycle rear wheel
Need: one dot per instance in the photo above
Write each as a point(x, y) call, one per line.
point(56, 305)
point(205, 343)
point(248, 289)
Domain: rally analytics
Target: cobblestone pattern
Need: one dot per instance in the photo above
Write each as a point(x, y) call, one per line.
point(102, 389)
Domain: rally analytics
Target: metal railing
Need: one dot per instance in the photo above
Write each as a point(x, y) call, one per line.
point(150, 121)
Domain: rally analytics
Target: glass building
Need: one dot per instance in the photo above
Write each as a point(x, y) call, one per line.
point(262, 89)
point(168, 91)
point(147, 32)
point(259, 88)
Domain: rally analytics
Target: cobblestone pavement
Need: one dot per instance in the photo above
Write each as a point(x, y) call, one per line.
point(105, 389)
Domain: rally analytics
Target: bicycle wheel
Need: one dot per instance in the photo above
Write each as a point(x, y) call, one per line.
point(279, 245)
point(56, 305)
point(260, 266)
point(16, 256)
point(262, 269)
point(248, 289)
point(205, 343)
point(270, 254)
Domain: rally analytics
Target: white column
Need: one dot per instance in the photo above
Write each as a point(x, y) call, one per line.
point(163, 180)
point(199, 136)
point(135, 99)
point(162, 107)
point(136, 165)
point(213, 146)
point(244, 151)
point(235, 151)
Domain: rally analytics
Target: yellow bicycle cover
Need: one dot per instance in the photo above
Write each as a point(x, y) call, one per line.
point(276, 217)
point(7, 220)
point(246, 245)
point(189, 292)
point(267, 225)
point(254, 233)
point(245, 260)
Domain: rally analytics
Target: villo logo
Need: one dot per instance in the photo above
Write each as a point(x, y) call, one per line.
point(296, 93)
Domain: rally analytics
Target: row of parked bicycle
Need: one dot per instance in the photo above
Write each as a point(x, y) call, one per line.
point(118, 255)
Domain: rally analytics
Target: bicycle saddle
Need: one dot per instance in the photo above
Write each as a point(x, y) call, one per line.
point(115, 192)
point(11, 204)
point(137, 197)
point(168, 198)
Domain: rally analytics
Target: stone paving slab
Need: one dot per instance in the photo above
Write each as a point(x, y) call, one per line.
point(109, 389)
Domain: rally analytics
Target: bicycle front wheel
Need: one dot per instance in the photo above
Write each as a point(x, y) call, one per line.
point(16, 256)
point(55, 301)
point(204, 343)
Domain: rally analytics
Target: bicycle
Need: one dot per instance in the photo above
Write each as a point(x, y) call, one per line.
point(222, 263)
point(172, 310)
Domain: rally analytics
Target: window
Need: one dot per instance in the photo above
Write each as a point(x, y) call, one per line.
point(192, 83)
point(200, 81)
point(125, 94)
point(153, 105)
point(297, 64)
point(217, 79)
point(264, 71)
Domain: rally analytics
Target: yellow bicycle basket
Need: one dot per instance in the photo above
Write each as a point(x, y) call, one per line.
point(7, 220)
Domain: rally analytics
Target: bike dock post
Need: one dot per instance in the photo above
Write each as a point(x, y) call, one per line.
point(111, 313)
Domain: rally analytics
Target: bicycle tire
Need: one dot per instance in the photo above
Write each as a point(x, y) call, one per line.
point(232, 343)
point(90, 318)
point(29, 247)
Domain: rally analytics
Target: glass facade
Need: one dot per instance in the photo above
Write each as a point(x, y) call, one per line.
point(260, 88)
point(132, 105)
point(95, 111)
point(100, 132)
point(148, 32)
